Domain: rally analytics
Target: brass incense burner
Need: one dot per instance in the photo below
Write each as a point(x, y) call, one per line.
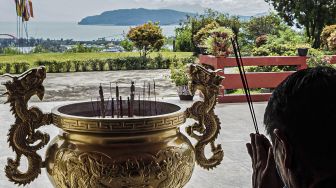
point(139, 151)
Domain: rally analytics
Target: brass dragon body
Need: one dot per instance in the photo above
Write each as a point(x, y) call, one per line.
point(23, 137)
point(207, 127)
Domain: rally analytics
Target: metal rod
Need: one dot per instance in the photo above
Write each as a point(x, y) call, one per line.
point(155, 97)
point(121, 107)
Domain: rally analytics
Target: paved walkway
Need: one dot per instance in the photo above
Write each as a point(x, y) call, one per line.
point(84, 85)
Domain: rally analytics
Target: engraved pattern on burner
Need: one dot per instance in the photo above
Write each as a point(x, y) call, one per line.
point(133, 125)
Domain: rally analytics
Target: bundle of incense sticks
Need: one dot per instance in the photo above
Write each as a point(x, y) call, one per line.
point(242, 73)
point(118, 106)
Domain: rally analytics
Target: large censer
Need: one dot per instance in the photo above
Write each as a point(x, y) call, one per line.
point(140, 151)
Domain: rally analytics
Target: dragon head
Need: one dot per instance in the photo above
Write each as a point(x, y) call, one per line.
point(26, 85)
point(201, 76)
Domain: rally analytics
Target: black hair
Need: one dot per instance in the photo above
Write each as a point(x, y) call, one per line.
point(304, 107)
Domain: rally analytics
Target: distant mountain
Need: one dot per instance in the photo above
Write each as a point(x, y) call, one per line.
point(125, 17)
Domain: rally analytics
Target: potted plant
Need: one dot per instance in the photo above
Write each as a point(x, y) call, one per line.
point(219, 42)
point(202, 35)
point(303, 49)
point(180, 78)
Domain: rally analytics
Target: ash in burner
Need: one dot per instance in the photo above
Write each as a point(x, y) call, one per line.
point(84, 109)
point(115, 107)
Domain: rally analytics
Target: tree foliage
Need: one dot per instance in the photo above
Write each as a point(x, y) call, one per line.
point(264, 25)
point(194, 24)
point(183, 41)
point(127, 45)
point(146, 38)
point(327, 31)
point(312, 14)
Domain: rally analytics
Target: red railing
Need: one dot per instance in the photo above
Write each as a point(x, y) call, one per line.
point(255, 79)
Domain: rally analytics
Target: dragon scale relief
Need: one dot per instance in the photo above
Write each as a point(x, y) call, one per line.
point(207, 126)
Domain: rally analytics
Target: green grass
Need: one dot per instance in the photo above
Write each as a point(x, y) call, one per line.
point(62, 57)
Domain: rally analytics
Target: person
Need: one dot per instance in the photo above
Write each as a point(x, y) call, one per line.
point(300, 119)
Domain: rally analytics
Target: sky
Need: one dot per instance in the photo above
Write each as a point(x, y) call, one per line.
point(75, 10)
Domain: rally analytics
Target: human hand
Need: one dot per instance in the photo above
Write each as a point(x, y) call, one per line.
point(265, 174)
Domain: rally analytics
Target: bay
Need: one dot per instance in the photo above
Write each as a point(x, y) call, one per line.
point(56, 30)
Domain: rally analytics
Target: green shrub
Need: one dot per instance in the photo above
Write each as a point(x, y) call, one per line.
point(261, 40)
point(8, 68)
point(219, 42)
point(178, 73)
point(85, 66)
point(101, 64)
point(25, 67)
point(58, 66)
point(11, 51)
point(77, 65)
point(332, 41)
point(317, 58)
point(204, 33)
point(17, 68)
point(110, 64)
point(67, 66)
point(261, 51)
point(94, 64)
point(327, 31)
point(2, 65)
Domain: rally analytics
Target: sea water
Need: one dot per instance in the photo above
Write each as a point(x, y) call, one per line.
point(55, 30)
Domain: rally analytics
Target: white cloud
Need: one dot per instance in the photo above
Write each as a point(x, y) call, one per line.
point(74, 10)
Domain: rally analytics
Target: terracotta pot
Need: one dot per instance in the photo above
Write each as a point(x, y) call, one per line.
point(184, 93)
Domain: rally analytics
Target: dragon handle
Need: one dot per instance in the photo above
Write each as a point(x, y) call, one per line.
point(23, 136)
point(207, 126)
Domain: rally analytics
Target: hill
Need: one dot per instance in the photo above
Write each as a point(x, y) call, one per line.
point(125, 17)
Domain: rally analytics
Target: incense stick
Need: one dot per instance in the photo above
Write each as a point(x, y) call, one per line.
point(143, 99)
point(102, 101)
point(248, 88)
point(107, 106)
point(93, 108)
point(245, 83)
point(98, 109)
point(128, 107)
point(149, 99)
point(112, 108)
point(117, 98)
point(132, 98)
point(155, 97)
point(121, 107)
point(139, 103)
